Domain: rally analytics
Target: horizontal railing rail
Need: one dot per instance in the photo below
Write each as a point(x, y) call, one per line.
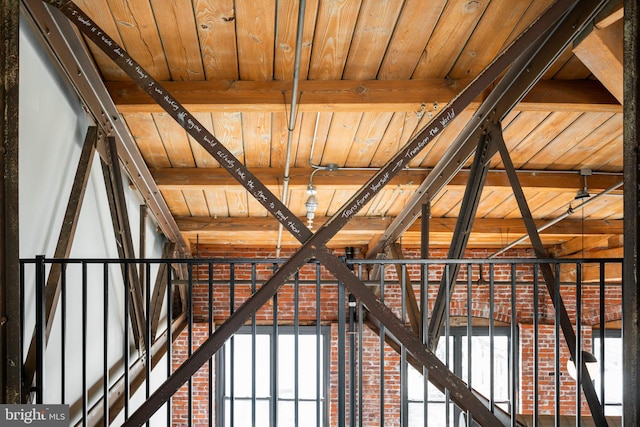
point(314, 355)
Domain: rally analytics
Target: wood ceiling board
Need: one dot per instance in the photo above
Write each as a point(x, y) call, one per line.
point(342, 132)
point(571, 136)
point(217, 34)
point(491, 197)
point(520, 128)
point(255, 30)
point(144, 131)
point(279, 140)
point(606, 207)
point(332, 38)
point(368, 138)
point(447, 204)
point(177, 28)
point(313, 136)
point(542, 203)
point(415, 25)
point(400, 129)
point(196, 202)
point(534, 10)
point(237, 202)
point(374, 28)
point(201, 156)
point(607, 158)
point(175, 201)
point(602, 53)
point(99, 12)
point(228, 130)
point(287, 16)
point(582, 153)
point(493, 29)
point(175, 141)
point(256, 130)
point(549, 129)
point(573, 69)
point(456, 24)
point(502, 209)
point(216, 203)
point(557, 65)
point(137, 25)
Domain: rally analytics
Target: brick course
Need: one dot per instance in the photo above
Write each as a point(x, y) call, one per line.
point(481, 308)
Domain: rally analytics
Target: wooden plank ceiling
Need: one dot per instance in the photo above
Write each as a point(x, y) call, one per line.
point(372, 74)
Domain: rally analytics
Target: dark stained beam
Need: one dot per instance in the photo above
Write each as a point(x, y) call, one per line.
point(10, 326)
point(354, 95)
point(597, 410)
point(631, 147)
point(413, 311)
point(460, 238)
point(160, 288)
point(196, 178)
point(124, 242)
point(513, 226)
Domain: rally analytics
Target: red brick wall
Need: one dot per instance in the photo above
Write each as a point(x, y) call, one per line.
point(220, 301)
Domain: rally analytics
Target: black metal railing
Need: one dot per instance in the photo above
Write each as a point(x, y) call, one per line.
point(314, 355)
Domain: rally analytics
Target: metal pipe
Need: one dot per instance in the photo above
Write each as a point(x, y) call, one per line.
point(554, 221)
point(292, 115)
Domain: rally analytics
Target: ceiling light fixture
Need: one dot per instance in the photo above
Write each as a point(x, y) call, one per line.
point(311, 204)
point(583, 193)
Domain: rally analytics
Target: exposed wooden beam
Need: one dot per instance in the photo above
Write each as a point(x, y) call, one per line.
point(354, 95)
point(185, 178)
point(373, 225)
point(601, 52)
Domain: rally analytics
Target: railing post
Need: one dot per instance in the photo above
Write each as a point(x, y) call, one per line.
point(41, 323)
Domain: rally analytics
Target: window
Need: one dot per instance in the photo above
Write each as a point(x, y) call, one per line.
point(612, 370)
point(440, 411)
point(271, 394)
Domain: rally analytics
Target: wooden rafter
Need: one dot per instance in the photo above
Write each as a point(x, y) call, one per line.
point(354, 95)
point(199, 178)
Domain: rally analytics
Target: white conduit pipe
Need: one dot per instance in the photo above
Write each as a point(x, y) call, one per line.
point(292, 116)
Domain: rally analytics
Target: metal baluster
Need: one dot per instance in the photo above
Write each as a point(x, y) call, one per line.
point(85, 402)
point(105, 341)
point(536, 347)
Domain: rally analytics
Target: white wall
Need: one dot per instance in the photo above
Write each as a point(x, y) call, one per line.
point(52, 131)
